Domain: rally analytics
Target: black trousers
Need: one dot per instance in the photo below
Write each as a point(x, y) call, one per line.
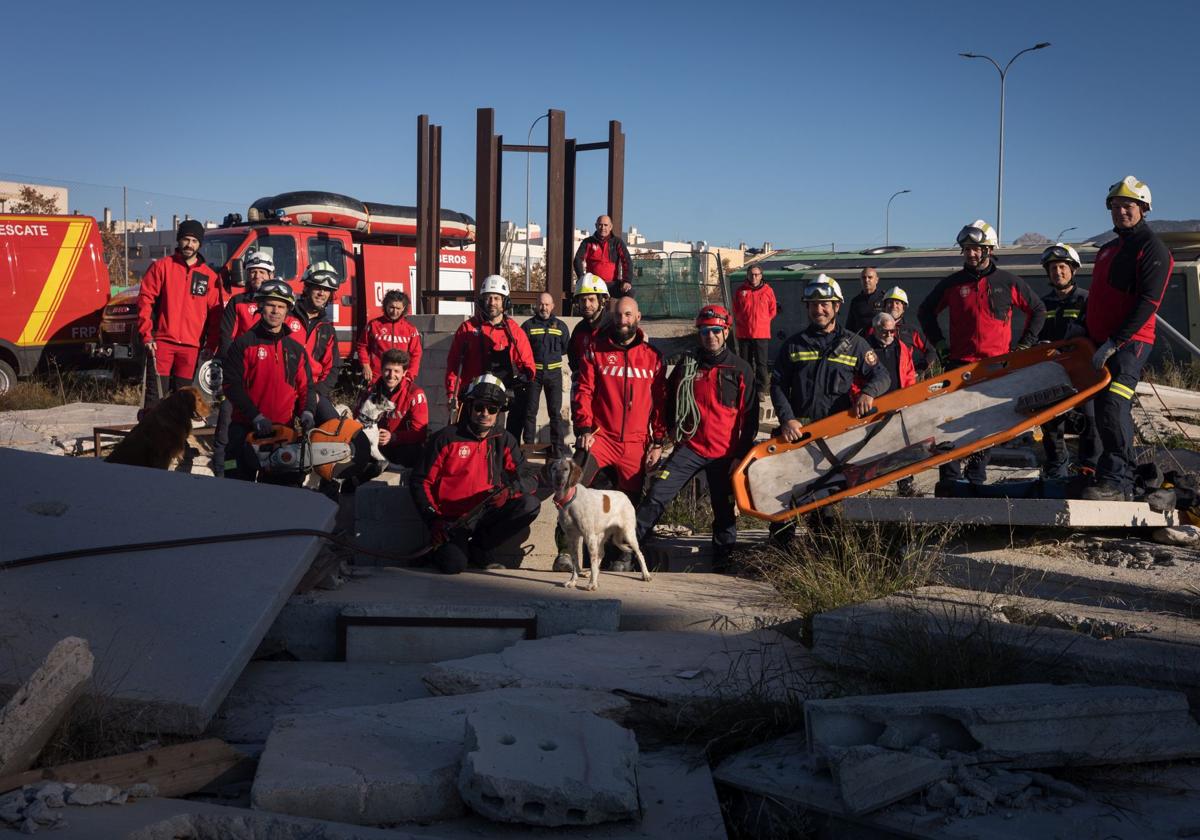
point(514, 422)
point(493, 528)
point(976, 462)
point(1114, 415)
point(221, 440)
point(1058, 457)
point(670, 478)
point(754, 351)
point(548, 382)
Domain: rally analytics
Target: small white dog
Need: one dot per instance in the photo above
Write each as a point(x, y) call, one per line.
point(370, 413)
point(595, 517)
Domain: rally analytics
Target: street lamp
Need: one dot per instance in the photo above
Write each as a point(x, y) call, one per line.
point(529, 141)
point(1059, 238)
point(887, 218)
point(1000, 173)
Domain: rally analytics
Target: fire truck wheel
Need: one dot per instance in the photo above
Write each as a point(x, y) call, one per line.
point(8, 377)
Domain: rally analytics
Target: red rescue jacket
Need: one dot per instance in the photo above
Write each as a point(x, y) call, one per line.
point(753, 310)
point(725, 394)
point(579, 348)
point(981, 308)
point(180, 303)
point(479, 347)
point(267, 373)
point(1129, 279)
point(319, 338)
point(621, 390)
point(241, 313)
point(457, 471)
point(382, 334)
point(408, 422)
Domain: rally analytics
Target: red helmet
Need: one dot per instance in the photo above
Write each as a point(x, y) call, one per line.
point(713, 316)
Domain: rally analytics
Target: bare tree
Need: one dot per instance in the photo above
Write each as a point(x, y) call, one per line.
point(35, 203)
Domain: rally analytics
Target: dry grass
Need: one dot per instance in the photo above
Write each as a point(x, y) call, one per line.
point(831, 563)
point(1175, 373)
point(55, 387)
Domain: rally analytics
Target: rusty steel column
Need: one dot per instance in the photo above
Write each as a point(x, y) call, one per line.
point(616, 176)
point(433, 245)
point(556, 238)
point(487, 195)
point(420, 303)
point(568, 217)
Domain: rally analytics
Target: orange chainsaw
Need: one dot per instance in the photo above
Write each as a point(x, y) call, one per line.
point(327, 450)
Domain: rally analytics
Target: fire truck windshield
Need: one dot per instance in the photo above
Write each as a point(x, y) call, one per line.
point(217, 248)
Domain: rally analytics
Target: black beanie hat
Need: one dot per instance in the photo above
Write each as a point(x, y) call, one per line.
point(190, 227)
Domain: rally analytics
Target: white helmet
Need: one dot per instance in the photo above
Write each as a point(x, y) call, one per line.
point(590, 284)
point(896, 293)
point(322, 275)
point(1061, 252)
point(259, 259)
point(1129, 187)
point(978, 232)
point(494, 284)
point(823, 287)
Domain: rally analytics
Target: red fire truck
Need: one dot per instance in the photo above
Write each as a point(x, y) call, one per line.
point(54, 283)
point(372, 247)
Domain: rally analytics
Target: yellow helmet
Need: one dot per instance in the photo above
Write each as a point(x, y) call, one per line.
point(822, 287)
point(590, 284)
point(896, 293)
point(978, 232)
point(1129, 187)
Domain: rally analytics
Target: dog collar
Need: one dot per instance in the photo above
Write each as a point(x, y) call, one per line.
point(566, 500)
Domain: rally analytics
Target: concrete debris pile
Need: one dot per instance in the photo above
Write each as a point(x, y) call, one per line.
point(40, 805)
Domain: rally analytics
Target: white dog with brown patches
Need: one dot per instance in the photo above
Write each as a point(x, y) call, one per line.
point(594, 517)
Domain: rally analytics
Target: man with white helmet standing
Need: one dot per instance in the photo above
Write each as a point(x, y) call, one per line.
point(823, 369)
point(491, 342)
point(980, 298)
point(241, 313)
point(895, 303)
point(1066, 306)
point(310, 327)
point(1129, 278)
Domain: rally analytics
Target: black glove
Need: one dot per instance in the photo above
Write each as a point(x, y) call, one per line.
point(263, 427)
point(307, 421)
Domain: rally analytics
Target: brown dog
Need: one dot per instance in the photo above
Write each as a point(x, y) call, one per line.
point(162, 434)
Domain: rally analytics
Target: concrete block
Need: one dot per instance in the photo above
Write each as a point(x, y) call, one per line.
point(267, 691)
point(1032, 725)
point(31, 715)
point(683, 670)
point(382, 764)
point(548, 766)
point(63, 430)
point(170, 630)
point(386, 519)
point(1059, 513)
point(431, 633)
point(869, 778)
point(1039, 639)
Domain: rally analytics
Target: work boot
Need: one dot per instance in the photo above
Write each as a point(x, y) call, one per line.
point(1160, 500)
point(563, 563)
point(1104, 491)
point(905, 488)
point(624, 563)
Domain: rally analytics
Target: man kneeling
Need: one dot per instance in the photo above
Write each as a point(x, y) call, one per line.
point(468, 486)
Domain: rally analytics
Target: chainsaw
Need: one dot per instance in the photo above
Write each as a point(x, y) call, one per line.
point(328, 450)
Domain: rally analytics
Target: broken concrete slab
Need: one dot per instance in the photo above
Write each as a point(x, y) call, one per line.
point(267, 691)
point(383, 764)
point(1025, 513)
point(870, 777)
point(31, 715)
point(416, 633)
point(783, 770)
point(548, 766)
point(386, 519)
point(171, 630)
point(307, 627)
point(1031, 725)
point(1068, 576)
point(681, 671)
point(62, 430)
point(1033, 639)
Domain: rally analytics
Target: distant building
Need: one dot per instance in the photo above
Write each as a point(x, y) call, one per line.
point(10, 191)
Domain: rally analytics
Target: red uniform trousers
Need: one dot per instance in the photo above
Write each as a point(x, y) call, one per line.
point(627, 457)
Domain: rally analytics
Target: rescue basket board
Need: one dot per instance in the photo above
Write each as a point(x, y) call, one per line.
point(314, 207)
point(915, 428)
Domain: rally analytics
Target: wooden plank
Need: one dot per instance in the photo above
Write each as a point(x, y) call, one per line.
point(177, 770)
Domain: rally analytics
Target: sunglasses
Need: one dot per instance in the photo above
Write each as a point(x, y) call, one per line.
point(711, 330)
point(887, 332)
point(483, 408)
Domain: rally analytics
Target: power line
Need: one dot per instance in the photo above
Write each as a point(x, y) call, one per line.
point(44, 178)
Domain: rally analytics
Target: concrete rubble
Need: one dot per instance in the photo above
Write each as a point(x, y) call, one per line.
point(1028, 513)
point(32, 714)
point(548, 766)
point(1033, 725)
point(418, 633)
point(870, 777)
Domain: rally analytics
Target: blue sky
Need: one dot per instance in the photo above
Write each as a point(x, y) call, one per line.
point(786, 122)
